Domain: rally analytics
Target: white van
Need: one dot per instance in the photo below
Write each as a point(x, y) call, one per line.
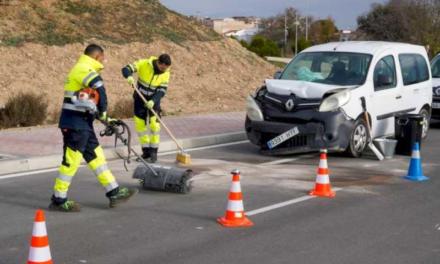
point(435, 68)
point(316, 101)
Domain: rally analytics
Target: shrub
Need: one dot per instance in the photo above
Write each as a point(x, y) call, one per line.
point(122, 109)
point(24, 109)
point(264, 46)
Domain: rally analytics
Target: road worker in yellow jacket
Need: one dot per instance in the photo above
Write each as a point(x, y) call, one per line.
point(84, 98)
point(153, 77)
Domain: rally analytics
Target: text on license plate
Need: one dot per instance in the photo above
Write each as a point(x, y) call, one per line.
point(283, 137)
point(436, 105)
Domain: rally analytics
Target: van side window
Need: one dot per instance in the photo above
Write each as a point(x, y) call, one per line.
point(385, 74)
point(414, 68)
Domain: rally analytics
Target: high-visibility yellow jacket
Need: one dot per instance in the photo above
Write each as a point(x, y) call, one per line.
point(85, 74)
point(149, 82)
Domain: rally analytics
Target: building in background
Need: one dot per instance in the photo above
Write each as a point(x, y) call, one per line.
point(242, 28)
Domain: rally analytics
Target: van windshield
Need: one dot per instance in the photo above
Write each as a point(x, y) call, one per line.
point(335, 68)
point(435, 67)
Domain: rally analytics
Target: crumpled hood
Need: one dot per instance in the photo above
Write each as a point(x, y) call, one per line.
point(435, 82)
point(301, 89)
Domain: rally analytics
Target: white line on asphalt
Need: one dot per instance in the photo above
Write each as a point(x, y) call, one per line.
point(28, 173)
point(281, 161)
point(22, 174)
point(206, 147)
point(283, 204)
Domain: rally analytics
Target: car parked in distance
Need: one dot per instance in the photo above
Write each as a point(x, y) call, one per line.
point(435, 68)
point(316, 101)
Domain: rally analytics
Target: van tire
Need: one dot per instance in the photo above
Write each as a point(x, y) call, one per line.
point(358, 139)
point(426, 121)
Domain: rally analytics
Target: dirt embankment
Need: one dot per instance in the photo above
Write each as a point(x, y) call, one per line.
point(210, 76)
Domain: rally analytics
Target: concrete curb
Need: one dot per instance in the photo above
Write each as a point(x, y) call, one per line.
point(52, 161)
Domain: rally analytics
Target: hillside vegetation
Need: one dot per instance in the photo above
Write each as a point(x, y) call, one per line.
point(43, 39)
point(59, 22)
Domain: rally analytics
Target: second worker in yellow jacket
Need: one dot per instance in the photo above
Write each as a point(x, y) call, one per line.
point(153, 77)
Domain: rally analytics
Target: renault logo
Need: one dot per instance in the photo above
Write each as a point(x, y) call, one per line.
point(437, 90)
point(289, 104)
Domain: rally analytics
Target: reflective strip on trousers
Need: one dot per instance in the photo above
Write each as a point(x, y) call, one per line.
point(101, 169)
point(111, 186)
point(143, 134)
point(65, 178)
point(59, 194)
point(235, 206)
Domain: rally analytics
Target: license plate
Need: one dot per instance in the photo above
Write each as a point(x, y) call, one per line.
point(283, 137)
point(436, 105)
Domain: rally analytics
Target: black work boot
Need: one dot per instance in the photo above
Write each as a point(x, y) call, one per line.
point(120, 195)
point(146, 153)
point(64, 205)
point(153, 155)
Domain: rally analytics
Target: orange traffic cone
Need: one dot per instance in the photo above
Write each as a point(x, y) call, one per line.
point(322, 185)
point(39, 253)
point(235, 216)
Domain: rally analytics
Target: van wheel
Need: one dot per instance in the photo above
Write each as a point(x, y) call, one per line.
point(426, 120)
point(358, 139)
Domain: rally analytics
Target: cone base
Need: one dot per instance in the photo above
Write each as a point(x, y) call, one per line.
point(416, 178)
point(326, 194)
point(240, 222)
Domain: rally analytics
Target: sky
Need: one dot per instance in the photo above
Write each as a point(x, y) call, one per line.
point(345, 12)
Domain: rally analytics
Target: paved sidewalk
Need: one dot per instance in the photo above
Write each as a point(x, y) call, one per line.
point(43, 141)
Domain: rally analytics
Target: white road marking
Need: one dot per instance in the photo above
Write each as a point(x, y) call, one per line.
point(283, 204)
point(28, 173)
point(23, 174)
point(281, 161)
point(206, 147)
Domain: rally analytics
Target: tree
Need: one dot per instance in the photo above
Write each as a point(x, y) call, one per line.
point(273, 27)
point(413, 21)
point(264, 46)
point(302, 44)
point(322, 31)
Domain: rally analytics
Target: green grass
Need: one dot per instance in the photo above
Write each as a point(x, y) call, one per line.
point(13, 41)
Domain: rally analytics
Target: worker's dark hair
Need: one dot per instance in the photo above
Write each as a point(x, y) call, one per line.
point(93, 49)
point(165, 59)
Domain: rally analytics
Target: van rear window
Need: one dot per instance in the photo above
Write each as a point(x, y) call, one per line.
point(414, 68)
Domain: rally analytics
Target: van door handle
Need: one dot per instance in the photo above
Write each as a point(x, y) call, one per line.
point(398, 97)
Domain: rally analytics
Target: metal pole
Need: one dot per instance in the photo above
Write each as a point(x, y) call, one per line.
point(307, 27)
point(296, 37)
point(285, 33)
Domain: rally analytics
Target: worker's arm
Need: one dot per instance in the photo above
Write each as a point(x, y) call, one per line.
point(161, 90)
point(128, 70)
point(98, 84)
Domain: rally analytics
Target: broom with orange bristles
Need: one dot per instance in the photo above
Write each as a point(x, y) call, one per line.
point(182, 156)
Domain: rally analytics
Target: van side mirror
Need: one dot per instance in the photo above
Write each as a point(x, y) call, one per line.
point(384, 80)
point(277, 74)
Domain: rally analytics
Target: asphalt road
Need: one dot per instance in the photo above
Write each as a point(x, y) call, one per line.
point(376, 216)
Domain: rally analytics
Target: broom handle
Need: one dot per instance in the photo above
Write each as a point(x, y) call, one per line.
point(158, 118)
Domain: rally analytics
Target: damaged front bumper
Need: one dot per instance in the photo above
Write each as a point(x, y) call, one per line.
point(317, 130)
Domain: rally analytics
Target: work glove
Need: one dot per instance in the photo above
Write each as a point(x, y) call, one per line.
point(149, 104)
point(130, 80)
point(105, 118)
